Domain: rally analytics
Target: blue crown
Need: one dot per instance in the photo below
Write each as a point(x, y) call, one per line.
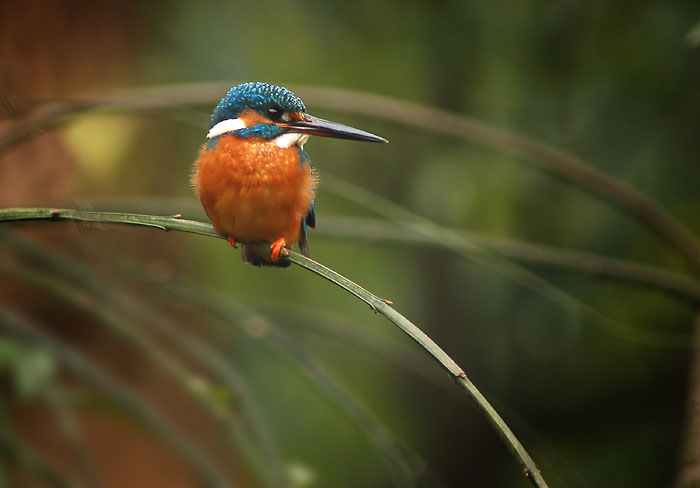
point(257, 96)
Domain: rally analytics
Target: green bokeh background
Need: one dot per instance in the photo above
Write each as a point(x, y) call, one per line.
point(615, 83)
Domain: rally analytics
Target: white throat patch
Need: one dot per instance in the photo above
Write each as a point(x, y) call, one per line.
point(290, 138)
point(228, 125)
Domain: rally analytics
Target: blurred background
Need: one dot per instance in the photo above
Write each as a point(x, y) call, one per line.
point(134, 357)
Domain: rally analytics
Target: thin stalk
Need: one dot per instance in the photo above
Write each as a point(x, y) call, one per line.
point(654, 278)
point(456, 244)
point(330, 325)
point(380, 306)
point(549, 159)
point(199, 388)
point(383, 307)
point(268, 462)
point(545, 157)
point(235, 313)
point(14, 324)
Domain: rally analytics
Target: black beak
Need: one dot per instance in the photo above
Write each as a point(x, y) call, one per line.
point(319, 127)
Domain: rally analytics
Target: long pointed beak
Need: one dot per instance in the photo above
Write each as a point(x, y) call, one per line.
point(320, 127)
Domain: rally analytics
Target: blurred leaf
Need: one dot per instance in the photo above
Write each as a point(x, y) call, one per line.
point(30, 369)
point(301, 475)
point(36, 369)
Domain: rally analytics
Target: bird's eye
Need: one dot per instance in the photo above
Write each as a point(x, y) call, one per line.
point(274, 113)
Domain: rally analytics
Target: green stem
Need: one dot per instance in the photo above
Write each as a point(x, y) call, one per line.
point(377, 304)
point(453, 241)
point(549, 159)
point(71, 359)
point(393, 453)
point(545, 157)
point(267, 462)
point(652, 277)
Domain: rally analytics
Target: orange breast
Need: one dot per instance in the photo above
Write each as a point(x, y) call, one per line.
point(254, 190)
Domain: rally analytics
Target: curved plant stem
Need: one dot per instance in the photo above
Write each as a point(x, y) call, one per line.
point(14, 324)
point(540, 155)
point(267, 462)
point(547, 158)
point(653, 277)
point(454, 242)
point(395, 456)
point(48, 113)
point(200, 388)
point(378, 305)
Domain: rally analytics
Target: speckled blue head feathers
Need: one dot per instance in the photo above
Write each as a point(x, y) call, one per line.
point(257, 96)
point(273, 113)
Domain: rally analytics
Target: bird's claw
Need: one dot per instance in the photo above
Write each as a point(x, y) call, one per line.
point(276, 248)
point(232, 241)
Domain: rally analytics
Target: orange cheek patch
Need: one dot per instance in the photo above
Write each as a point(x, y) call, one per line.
point(250, 118)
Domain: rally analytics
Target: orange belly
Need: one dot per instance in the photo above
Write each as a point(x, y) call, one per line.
point(254, 191)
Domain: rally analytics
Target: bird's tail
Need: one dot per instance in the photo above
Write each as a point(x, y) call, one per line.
point(256, 257)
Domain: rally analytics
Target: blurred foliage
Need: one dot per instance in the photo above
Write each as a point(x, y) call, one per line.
point(614, 83)
point(29, 370)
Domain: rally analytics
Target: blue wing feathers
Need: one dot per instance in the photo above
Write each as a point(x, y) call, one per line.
point(311, 216)
point(308, 221)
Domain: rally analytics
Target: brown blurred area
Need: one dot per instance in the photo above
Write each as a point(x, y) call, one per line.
point(49, 50)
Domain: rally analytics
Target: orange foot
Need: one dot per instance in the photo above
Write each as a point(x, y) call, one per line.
point(232, 241)
point(276, 247)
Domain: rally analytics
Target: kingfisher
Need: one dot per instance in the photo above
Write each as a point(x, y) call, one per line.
point(253, 176)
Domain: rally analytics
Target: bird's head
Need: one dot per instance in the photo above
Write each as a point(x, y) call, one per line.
point(273, 113)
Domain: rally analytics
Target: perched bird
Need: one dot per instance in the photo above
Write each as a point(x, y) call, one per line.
point(253, 177)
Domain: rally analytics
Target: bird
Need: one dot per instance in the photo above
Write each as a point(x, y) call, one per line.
point(253, 176)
